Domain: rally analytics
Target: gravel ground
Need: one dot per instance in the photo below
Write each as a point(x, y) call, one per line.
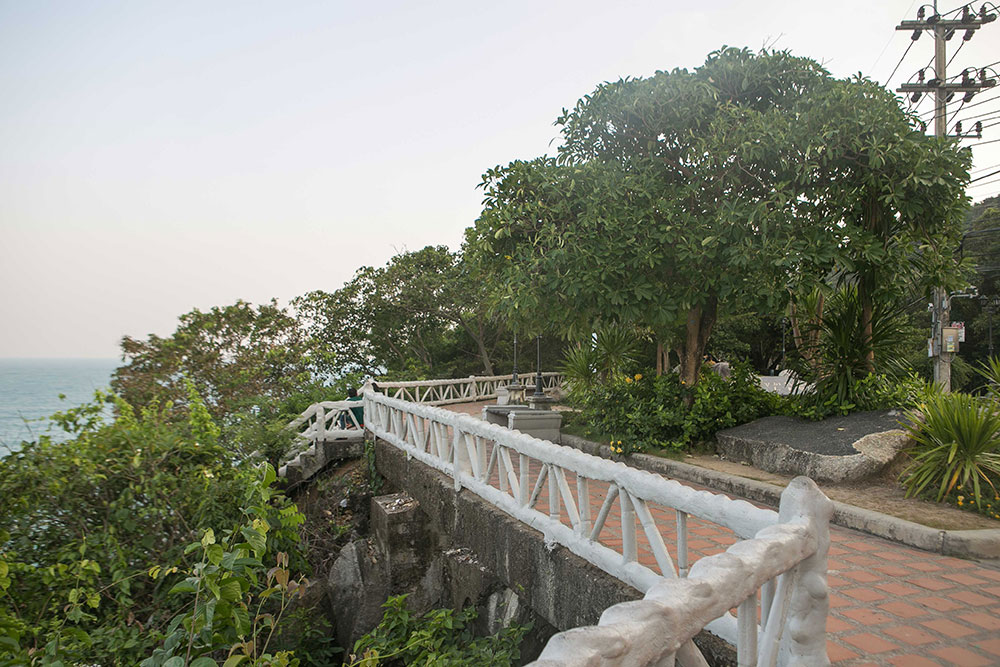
point(833, 436)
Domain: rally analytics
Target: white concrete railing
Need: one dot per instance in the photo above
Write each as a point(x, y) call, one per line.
point(461, 390)
point(782, 556)
point(328, 420)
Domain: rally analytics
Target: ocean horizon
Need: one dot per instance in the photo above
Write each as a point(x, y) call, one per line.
point(30, 390)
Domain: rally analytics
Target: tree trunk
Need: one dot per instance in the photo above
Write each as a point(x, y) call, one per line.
point(479, 336)
point(700, 321)
point(867, 308)
point(807, 344)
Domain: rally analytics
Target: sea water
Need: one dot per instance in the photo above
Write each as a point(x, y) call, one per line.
point(30, 392)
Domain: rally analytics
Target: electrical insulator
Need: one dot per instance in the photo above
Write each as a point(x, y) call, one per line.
point(915, 97)
point(979, 129)
point(958, 127)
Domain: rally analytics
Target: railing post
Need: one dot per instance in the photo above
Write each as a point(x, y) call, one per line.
point(319, 426)
point(803, 641)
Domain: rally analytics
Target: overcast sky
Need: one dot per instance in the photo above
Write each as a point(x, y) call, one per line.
point(157, 157)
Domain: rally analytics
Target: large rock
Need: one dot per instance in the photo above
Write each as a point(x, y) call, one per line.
point(836, 449)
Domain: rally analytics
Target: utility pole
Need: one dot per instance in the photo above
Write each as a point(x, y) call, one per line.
point(943, 30)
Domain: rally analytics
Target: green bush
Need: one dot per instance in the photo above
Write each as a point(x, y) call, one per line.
point(85, 520)
point(873, 392)
point(441, 637)
point(956, 440)
point(649, 412)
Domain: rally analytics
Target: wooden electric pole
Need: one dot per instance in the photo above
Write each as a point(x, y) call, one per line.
point(943, 30)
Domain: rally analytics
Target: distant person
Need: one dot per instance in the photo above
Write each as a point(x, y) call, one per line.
point(358, 412)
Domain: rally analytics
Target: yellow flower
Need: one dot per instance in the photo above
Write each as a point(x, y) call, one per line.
point(638, 376)
point(619, 442)
point(508, 257)
point(628, 380)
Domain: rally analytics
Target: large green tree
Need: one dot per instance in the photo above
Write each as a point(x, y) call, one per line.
point(230, 354)
point(422, 313)
point(672, 198)
point(679, 197)
point(891, 196)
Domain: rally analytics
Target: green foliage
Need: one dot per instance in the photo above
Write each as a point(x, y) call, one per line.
point(646, 412)
point(85, 520)
point(421, 315)
point(990, 369)
point(228, 353)
point(579, 368)
point(841, 348)
point(677, 198)
point(956, 438)
point(610, 353)
point(236, 602)
point(439, 638)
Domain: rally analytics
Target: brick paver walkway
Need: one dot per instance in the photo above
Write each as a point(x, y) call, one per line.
point(890, 604)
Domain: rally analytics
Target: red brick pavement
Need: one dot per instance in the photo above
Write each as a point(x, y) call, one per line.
point(890, 604)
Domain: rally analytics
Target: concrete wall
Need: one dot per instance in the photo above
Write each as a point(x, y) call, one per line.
point(559, 586)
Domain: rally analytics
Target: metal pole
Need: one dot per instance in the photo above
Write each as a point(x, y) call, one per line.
point(513, 379)
point(539, 392)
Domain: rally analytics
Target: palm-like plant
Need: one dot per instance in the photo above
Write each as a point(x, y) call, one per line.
point(956, 440)
point(990, 369)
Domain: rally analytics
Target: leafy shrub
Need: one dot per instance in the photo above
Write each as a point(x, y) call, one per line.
point(236, 602)
point(839, 352)
point(611, 354)
point(649, 412)
point(990, 369)
point(873, 392)
point(85, 520)
point(440, 637)
point(957, 437)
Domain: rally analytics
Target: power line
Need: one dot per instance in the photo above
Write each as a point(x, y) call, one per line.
point(986, 176)
point(975, 104)
point(901, 61)
point(983, 143)
point(980, 115)
point(887, 43)
point(976, 171)
point(995, 180)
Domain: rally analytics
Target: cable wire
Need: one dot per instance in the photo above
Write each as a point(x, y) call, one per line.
point(894, 69)
point(995, 180)
point(986, 176)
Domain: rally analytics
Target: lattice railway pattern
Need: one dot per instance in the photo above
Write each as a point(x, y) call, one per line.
point(460, 390)
point(638, 527)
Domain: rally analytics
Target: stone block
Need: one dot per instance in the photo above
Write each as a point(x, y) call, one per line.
point(398, 527)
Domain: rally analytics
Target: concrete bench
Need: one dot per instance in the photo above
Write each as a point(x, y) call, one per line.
point(541, 424)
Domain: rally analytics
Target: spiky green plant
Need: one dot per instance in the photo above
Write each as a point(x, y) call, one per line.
point(990, 369)
point(956, 440)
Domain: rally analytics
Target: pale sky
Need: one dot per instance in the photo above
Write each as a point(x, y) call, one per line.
point(157, 157)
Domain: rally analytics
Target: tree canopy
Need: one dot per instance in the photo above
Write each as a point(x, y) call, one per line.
point(676, 197)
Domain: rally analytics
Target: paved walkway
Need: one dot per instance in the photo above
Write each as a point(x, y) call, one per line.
point(890, 604)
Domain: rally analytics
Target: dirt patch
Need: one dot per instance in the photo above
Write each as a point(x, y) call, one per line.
point(881, 493)
point(336, 507)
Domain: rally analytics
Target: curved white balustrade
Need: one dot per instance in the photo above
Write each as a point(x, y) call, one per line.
point(461, 390)
point(782, 556)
